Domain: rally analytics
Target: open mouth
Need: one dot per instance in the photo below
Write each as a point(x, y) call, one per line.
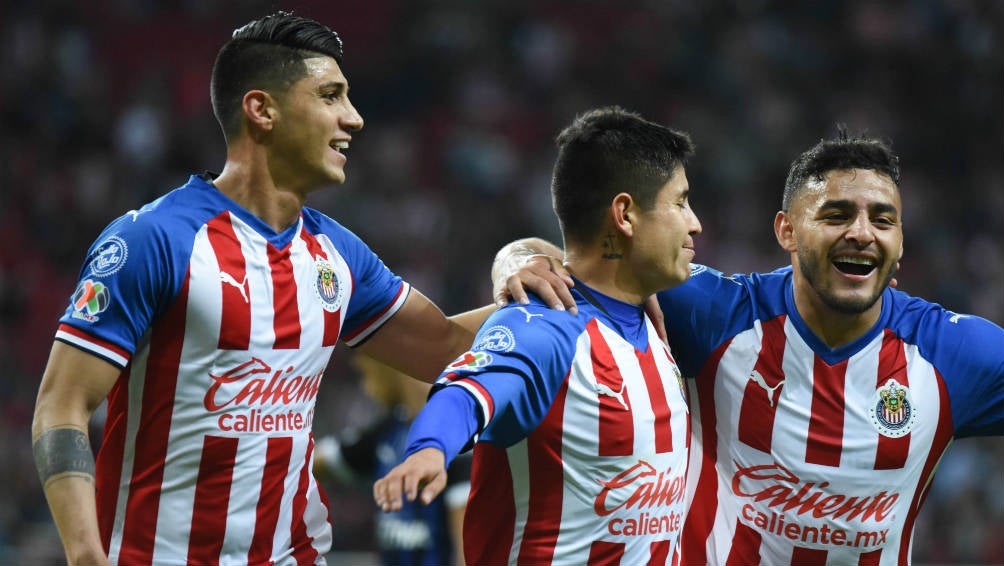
point(854, 265)
point(339, 145)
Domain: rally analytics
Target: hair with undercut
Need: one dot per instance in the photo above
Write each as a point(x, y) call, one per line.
point(839, 154)
point(607, 151)
point(267, 54)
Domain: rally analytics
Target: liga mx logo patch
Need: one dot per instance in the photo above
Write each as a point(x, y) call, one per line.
point(471, 361)
point(329, 289)
point(892, 410)
point(89, 299)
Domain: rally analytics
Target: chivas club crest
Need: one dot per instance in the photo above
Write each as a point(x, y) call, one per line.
point(892, 410)
point(328, 288)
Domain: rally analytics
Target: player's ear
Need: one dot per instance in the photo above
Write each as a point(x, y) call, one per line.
point(259, 110)
point(622, 212)
point(784, 231)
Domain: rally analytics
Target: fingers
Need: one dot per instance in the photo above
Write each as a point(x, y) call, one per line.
point(423, 472)
point(548, 279)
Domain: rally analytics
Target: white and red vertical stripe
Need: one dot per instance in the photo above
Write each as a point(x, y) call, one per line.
point(764, 398)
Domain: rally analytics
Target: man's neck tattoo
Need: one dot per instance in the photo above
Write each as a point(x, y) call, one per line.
point(610, 250)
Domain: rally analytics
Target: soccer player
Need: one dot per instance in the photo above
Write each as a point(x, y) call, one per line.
point(416, 534)
point(823, 399)
point(580, 423)
point(207, 318)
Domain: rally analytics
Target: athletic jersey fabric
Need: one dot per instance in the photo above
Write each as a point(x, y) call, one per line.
point(223, 329)
point(582, 436)
point(417, 534)
point(807, 455)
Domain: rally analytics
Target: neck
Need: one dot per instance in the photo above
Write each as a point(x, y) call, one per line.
point(833, 327)
point(610, 276)
point(249, 183)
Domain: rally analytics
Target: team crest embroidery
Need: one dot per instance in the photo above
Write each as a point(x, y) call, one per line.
point(892, 411)
point(109, 257)
point(471, 361)
point(497, 339)
point(328, 288)
point(89, 299)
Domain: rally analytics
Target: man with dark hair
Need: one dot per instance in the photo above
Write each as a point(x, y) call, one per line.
point(823, 399)
point(579, 423)
point(207, 319)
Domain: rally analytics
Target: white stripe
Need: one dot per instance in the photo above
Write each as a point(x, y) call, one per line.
point(519, 468)
point(93, 347)
point(481, 400)
point(376, 324)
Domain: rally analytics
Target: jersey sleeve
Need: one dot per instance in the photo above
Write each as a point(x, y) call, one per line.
point(702, 313)
point(132, 272)
point(514, 370)
point(377, 293)
point(968, 352)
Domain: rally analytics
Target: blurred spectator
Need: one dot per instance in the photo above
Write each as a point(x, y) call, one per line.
point(101, 109)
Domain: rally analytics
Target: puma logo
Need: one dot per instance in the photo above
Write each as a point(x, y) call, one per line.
point(955, 317)
point(759, 380)
point(242, 286)
point(604, 389)
point(135, 213)
point(528, 314)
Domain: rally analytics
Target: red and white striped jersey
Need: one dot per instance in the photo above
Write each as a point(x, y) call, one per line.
point(807, 455)
point(583, 436)
point(223, 330)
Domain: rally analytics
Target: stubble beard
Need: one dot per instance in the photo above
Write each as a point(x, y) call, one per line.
point(812, 267)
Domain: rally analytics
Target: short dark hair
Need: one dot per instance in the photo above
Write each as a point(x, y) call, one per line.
point(842, 153)
point(266, 54)
point(607, 151)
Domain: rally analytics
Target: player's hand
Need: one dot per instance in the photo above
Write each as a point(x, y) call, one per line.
point(423, 474)
point(542, 274)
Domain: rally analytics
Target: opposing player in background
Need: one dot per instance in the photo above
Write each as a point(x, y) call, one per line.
point(207, 319)
point(823, 399)
point(580, 422)
point(416, 534)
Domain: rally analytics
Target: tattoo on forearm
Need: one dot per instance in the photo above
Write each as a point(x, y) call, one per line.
point(610, 250)
point(61, 452)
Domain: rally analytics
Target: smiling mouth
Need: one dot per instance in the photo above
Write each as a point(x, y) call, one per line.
point(854, 265)
point(339, 146)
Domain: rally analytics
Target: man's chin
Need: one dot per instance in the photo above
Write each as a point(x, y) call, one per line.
point(850, 303)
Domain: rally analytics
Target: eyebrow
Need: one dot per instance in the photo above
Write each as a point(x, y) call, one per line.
point(334, 85)
point(875, 208)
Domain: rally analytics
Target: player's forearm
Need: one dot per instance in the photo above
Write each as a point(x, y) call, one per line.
point(448, 422)
point(469, 322)
point(65, 467)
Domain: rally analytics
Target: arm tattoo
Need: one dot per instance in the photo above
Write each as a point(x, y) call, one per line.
point(61, 452)
point(610, 250)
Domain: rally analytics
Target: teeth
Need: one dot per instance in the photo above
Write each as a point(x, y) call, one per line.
point(342, 144)
point(856, 260)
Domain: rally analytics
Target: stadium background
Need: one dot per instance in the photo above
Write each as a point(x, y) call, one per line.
point(104, 105)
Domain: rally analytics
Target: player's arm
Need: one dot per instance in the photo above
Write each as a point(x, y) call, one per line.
point(73, 385)
point(441, 430)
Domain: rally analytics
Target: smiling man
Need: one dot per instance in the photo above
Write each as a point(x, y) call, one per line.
point(823, 399)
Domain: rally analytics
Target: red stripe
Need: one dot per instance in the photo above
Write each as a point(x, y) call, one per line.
point(826, 423)
point(140, 524)
point(873, 558)
point(659, 553)
point(489, 402)
point(603, 553)
point(277, 459)
point(745, 549)
point(235, 318)
point(657, 396)
point(332, 320)
point(94, 340)
point(942, 438)
point(616, 426)
point(286, 317)
point(109, 461)
point(891, 453)
point(801, 556)
point(303, 549)
point(212, 499)
point(543, 520)
point(701, 514)
point(490, 519)
point(756, 414)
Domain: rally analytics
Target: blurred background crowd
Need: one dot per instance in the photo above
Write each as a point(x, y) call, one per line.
point(104, 105)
